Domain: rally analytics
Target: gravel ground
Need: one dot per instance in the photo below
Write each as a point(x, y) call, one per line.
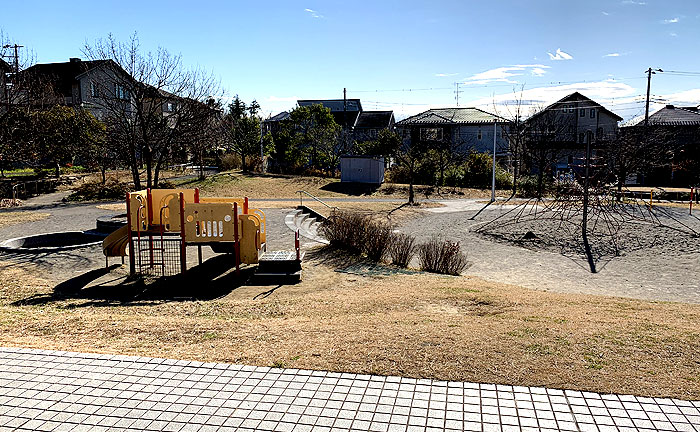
point(60, 266)
point(667, 269)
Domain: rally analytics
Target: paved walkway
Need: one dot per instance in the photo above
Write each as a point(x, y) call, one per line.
point(52, 390)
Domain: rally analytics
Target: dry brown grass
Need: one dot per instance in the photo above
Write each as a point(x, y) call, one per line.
point(235, 183)
point(395, 211)
point(413, 325)
point(20, 217)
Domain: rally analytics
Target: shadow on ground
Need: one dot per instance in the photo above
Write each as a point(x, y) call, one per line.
point(214, 278)
point(351, 189)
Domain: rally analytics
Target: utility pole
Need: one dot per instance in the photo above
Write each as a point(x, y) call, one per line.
point(15, 65)
point(345, 108)
point(493, 171)
point(649, 72)
point(457, 93)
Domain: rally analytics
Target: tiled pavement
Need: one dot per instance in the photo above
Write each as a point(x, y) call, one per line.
point(51, 390)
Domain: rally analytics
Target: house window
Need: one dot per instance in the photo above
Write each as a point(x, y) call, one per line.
point(582, 112)
point(592, 112)
point(120, 92)
point(170, 107)
point(94, 89)
point(478, 135)
point(572, 109)
point(582, 138)
point(431, 134)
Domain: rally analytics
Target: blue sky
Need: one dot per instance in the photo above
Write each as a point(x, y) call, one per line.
point(402, 55)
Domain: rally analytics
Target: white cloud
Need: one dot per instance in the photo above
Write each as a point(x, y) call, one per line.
point(673, 34)
point(671, 21)
point(560, 55)
point(313, 13)
point(605, 13)
point(640, 3)
point(445, 74)
point(612, 55)
point(505, 73)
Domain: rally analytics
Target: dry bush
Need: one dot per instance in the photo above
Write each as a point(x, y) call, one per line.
point(345, 230)
point(358, 233)
point(230, 161)
point(402, 249)
point(112, 189)
point(442, 256)
point(378, 239)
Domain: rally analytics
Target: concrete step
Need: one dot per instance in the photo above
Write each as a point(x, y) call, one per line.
point(306, 224)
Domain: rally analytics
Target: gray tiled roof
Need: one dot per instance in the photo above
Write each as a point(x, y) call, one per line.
point(452, 116)
point(284, 115)
point(674, 116)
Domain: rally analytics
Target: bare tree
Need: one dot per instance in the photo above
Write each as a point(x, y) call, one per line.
point(514, 132)
point(148, 103)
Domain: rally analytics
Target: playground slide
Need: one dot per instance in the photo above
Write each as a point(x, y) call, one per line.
point(116, 243)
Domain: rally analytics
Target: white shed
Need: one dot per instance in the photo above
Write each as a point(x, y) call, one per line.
point(362, 169)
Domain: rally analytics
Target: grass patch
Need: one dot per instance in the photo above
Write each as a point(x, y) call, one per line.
point(416, 325)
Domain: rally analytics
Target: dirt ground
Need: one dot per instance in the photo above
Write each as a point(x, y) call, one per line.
point(235, 183)
point(20, 217)
point(420, 325)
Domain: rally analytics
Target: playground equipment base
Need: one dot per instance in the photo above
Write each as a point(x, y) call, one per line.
point(280, 264)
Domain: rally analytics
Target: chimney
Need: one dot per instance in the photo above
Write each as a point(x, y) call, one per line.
point(75, 60)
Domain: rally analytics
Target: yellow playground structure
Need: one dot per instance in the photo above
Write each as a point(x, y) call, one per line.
point(161, 223)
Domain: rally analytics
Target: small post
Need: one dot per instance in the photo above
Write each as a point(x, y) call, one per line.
point(236, 244)
point(651, 198)
point(691, 201)
point(245, 205)
point(196, 195)
point(199, 253)
point(149, 203)
point(132, 253)
point(183, 245)
point(296, 245)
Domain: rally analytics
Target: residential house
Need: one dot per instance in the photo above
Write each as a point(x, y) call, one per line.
point(357, 124)
point(679, 128)
point(463, 129)
point(567, 126)
point(370, 123)
point(77, 83)
point(274, 124)
point(344, 111)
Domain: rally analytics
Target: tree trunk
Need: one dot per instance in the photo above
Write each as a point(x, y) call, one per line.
point(243, 167)
point(410, 190)
point(58, 169)
point(149, 173)
point(516, 173)
point(620, 182)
